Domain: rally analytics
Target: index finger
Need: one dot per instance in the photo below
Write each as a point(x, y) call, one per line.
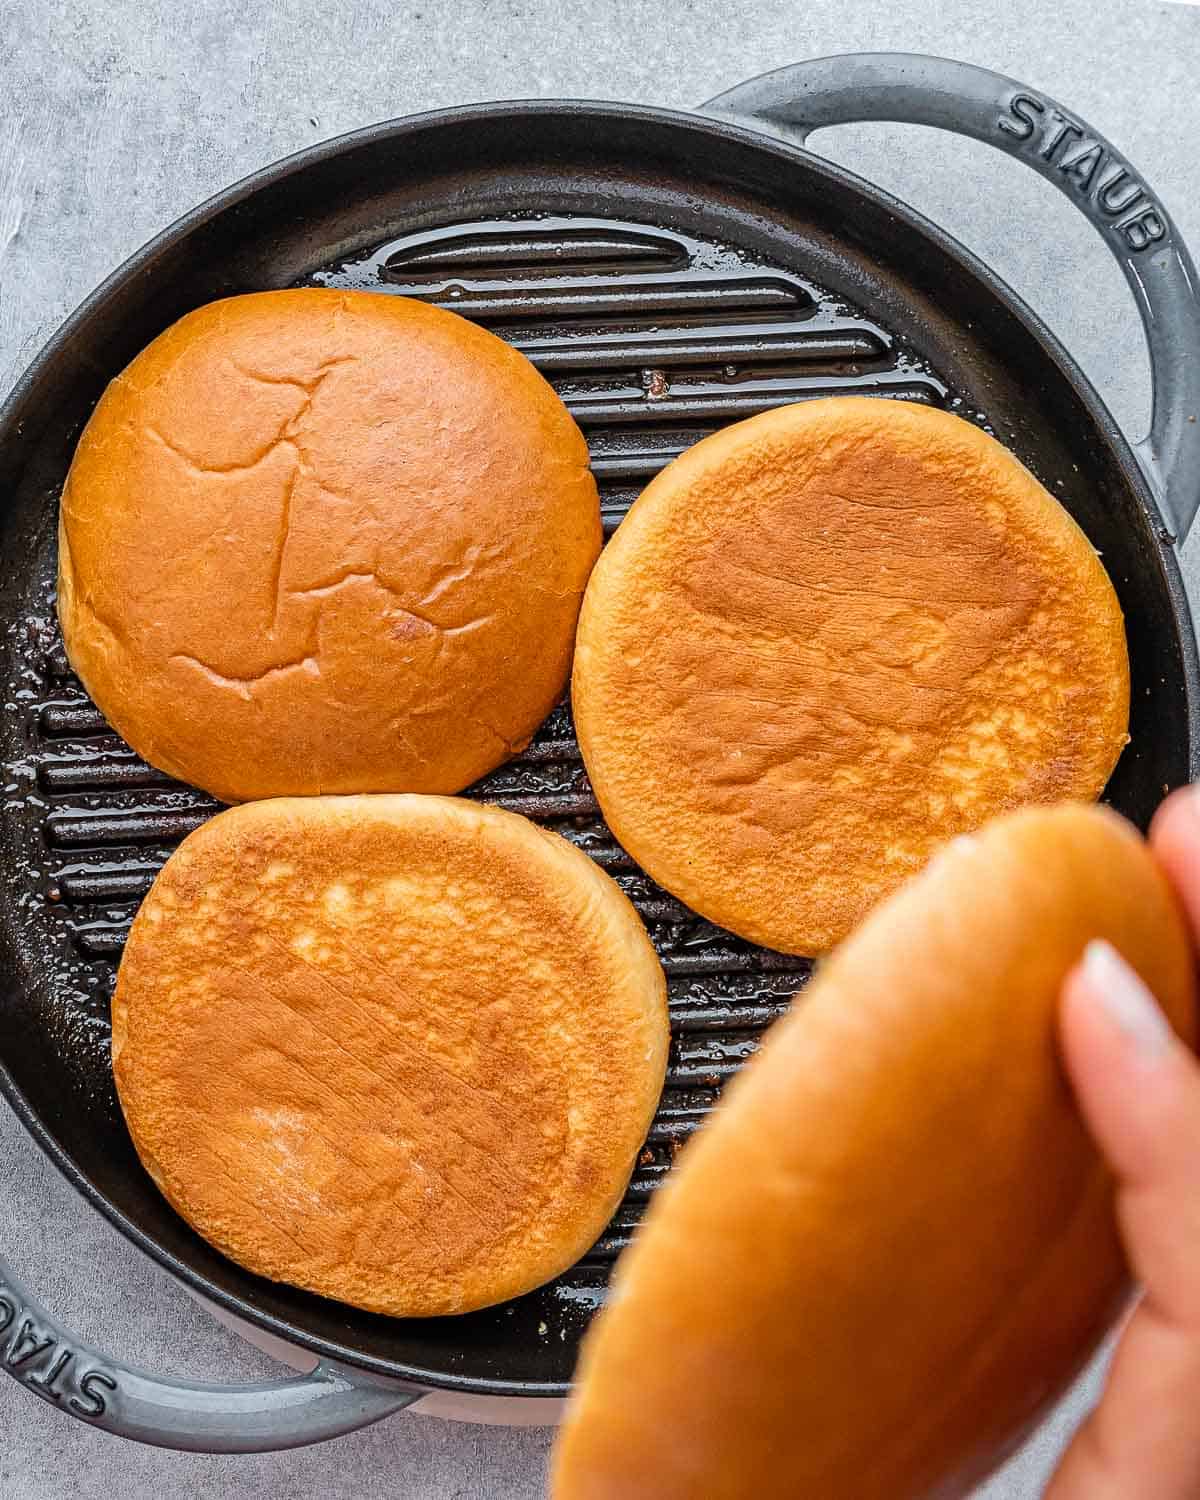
point(1175, 839)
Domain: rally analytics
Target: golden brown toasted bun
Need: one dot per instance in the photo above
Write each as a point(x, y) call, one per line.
point(318, 541)
point(828, 639)
point(400, 1051)
point(894, 1242)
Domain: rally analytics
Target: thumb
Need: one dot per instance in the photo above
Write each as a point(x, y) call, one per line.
point(1139, 1089)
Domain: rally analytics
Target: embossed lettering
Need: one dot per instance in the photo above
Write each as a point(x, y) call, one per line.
point(1105, 198)
point(87, 1386)
point(14, 1359)
point(1020, 107)
point(46, 1381)
point(1055, 139)
point(1083, 163)
point(1143, 229)
point(7, 1313)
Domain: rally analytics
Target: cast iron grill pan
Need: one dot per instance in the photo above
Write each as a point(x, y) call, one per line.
point(663, 300)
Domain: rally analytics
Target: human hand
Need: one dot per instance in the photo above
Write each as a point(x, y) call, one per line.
point(1139, 1089)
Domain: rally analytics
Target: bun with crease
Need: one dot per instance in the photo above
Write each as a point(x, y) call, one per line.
point(319, 541)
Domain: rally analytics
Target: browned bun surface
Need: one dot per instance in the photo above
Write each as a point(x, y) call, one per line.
point(400, 1051)
point(894, 1242)
point(824, 641)
point(319, 541)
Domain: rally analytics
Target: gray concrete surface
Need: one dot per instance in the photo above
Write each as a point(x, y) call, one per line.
point(115, 117)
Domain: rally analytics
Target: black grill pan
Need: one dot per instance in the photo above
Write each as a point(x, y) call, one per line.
point(669, 273)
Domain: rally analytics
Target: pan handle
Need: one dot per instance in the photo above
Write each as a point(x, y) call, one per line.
point(183, 1414)
point(1055, 142)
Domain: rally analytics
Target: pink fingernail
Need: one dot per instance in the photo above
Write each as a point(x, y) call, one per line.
point(1126, 1000)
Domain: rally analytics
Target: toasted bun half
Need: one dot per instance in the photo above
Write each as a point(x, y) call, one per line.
point(828, 639)
point(400, 1051)
point(894, 1243)
point(318, 541)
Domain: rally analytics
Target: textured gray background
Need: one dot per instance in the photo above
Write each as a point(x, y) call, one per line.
point(117, 115)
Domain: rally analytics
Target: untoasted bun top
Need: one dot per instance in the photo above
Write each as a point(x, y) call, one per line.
point(326, 541)
point(824, 641)
point(400, 1051)
point(894, 1242)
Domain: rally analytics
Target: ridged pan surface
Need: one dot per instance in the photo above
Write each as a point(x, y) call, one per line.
point(656, 331)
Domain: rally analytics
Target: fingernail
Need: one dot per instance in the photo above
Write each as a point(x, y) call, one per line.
point(1127, 1001)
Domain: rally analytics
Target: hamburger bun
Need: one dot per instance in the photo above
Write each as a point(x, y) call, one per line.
point(894, 1243)
point(318, 541)
point(400, 1051)
point(828, 639)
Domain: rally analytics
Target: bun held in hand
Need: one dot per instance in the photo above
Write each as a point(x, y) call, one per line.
point(895, 1243)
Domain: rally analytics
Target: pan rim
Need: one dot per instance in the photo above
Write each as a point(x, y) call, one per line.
point(789, 155)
